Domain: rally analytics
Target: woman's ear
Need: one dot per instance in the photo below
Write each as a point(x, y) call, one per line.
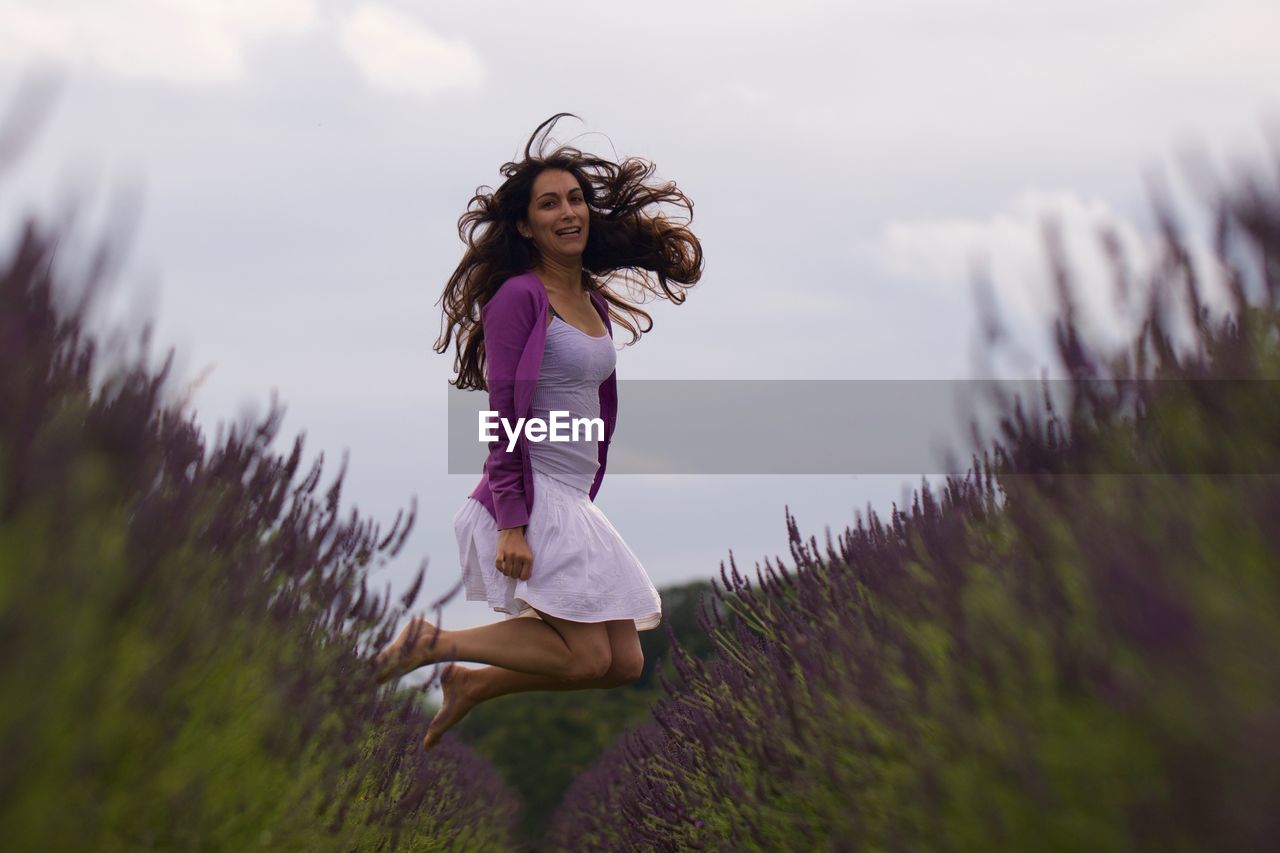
point(522, 229)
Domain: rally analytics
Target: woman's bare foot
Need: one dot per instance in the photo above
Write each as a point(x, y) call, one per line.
point(410, 650)
point(459, 699)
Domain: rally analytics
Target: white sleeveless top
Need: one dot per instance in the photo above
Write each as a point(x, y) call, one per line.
point(574, 364)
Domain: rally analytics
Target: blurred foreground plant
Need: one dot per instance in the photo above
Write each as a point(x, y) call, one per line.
point(1049, 655)
point(187, 629)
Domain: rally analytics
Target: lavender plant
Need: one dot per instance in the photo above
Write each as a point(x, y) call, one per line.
point(188, 628)
point(1066, 649)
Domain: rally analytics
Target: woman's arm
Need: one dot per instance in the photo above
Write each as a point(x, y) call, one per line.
point(508, 320)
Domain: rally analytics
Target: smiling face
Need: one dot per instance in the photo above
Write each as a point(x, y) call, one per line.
point(557, 219)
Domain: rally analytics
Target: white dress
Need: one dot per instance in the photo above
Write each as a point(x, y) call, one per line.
point(582, 570)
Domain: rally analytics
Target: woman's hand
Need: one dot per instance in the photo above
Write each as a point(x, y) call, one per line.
point(514, 558)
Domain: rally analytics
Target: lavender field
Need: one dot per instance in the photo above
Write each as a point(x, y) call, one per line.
point(188, 624)
point(1053, 653)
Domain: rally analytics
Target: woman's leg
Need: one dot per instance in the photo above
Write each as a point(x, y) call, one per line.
point(465, 688)
point(626, 662)
point(559, 648)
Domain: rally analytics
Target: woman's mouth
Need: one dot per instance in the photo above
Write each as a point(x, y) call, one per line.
point(568, 233)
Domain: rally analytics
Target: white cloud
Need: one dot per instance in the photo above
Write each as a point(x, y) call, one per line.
point(1213, 43)
point(1009, 249)
point(941, 256)
point(184, 41)
point(396, 53)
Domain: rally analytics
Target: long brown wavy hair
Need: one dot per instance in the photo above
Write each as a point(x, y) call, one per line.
point(629, 238)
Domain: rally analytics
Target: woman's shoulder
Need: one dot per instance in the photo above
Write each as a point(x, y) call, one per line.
point(525, 282)
point(522, 289)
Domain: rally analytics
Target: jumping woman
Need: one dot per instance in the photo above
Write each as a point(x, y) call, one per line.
point(533, 312)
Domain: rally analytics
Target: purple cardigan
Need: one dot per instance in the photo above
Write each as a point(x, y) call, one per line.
point(515, 334)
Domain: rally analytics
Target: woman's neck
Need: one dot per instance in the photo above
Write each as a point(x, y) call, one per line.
point(559, 277)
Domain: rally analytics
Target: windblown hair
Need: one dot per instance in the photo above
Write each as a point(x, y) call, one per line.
point(629, 238)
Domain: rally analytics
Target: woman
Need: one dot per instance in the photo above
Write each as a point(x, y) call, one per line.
point(540, 252)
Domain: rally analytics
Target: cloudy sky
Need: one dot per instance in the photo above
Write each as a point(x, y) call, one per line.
point(301, 165)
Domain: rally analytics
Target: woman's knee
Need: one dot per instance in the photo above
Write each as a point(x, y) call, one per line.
point(591, 663)
point(626, 652)
point(626, 668)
